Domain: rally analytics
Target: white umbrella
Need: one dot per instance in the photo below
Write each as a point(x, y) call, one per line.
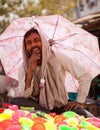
point(78, 44)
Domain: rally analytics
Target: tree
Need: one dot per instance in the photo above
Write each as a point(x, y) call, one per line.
point(45, 7)
point(62, 7)
point(10, 9)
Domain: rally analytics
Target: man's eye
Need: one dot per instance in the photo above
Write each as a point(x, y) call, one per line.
point(28, 42)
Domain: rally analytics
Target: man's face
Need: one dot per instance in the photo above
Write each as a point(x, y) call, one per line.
point(33, 44)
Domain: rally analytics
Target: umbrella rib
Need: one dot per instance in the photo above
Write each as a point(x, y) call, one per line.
point(71, 49)
point(88, 58)
point(13, 66)
point(55, 27)
point(69, 36)
point(66, 37)
point(10, 38)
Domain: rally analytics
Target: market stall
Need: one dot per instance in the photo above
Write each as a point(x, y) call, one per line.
point(13, 118)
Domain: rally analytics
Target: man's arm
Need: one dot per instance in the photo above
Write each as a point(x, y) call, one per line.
point(83, 77)
point(28, 78)
point(32, 63)
point(31, 66)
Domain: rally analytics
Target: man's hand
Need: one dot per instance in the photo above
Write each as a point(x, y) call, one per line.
point(31, 66)
point(72, 105)
point(35, 57)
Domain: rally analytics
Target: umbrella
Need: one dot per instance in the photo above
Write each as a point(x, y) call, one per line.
point(75, 42)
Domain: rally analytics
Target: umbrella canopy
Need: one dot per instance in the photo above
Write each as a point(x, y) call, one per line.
point(75, 42)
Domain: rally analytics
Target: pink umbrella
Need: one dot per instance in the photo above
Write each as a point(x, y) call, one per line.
point(78, 44)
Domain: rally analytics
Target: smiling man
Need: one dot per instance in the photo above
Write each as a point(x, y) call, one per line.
point(42, 77)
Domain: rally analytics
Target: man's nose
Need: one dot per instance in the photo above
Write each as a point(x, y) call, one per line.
point(33, 44)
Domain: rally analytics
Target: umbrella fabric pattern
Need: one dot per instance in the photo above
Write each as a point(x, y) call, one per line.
point(75, 42)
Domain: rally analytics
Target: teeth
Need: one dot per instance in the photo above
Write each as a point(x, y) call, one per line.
point(36, 50)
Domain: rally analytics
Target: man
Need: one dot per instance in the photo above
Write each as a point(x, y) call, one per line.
point(42, 75)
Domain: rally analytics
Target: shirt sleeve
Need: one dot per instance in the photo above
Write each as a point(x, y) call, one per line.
point(77, 71)
point(21, 91)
